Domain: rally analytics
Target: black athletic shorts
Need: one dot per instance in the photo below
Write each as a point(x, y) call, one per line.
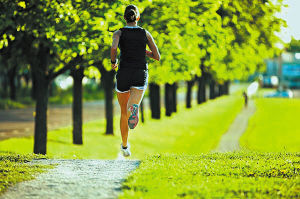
point(127, 78)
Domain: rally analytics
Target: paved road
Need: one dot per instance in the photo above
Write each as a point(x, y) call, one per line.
point(74, 179)
point(20, 122)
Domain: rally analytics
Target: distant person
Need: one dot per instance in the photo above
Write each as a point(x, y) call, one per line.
point(132, 75)
point(245, 98)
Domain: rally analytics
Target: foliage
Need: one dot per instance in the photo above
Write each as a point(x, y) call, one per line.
point(253, 24)
point(15, 168)
point(230, 38)
point(274, 129)
point(9, 104)
point(294, 46)
point(216, 175)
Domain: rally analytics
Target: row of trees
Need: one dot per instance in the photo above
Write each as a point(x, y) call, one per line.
point(201, 41)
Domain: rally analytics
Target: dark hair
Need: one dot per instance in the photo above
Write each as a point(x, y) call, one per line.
point(131, 13)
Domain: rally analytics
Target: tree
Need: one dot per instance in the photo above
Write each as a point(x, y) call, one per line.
point(223, 40)
point(44, 31)
point(77, 74)
point(294, 45)
point(168, 22)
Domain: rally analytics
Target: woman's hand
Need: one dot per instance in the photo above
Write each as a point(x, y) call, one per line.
point(114, 64)
point(149, 54)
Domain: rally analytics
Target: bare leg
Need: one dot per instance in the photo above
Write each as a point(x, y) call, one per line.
point(123, 101)
point(134, 101)
point(136, 96)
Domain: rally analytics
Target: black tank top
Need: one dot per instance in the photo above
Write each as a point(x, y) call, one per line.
point(133, 48)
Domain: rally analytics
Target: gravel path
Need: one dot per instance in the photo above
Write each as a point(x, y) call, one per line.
point(75, 179)
point(230, 140)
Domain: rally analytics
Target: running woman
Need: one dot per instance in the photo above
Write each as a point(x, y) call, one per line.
point(132, 75)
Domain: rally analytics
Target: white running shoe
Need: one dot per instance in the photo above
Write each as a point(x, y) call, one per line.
point(126, 152)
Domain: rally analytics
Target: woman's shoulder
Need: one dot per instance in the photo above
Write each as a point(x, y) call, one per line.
point(132, 28)
point(148, 34)
point(117, 32)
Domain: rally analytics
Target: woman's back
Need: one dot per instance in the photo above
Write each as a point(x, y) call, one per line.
point(132, 44)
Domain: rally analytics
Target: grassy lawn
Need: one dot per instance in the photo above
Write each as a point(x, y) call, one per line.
point(176, 162)
point(274, 127)
point(59, 145)
point(14, 168)
point(57, 98)
point(9, 104)
point(246, 174)
point(216, 175)
point(188, 131)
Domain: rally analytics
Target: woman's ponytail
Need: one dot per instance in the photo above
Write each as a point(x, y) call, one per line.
point(131, 13)
point(130, 16)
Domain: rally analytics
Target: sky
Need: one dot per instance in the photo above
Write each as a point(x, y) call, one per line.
point(292, 16)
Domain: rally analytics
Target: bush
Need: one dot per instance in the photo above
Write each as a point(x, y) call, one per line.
point(9, 104)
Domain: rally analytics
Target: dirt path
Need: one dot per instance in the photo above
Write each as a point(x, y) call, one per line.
point(72, 179)
point(230, 140)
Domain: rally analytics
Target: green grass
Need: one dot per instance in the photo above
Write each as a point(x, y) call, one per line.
point(178, 164)
point(10, 104)
point(96, 144)
point(246, 174)
point(59, 96)
point(189, 131)
point(216, 175)
point(14, 168)
point(196, 133)
point(274, 127)
point(66, 96)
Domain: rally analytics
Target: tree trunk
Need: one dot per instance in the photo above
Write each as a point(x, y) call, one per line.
point(168, 99)
point(226, 89)
point(33, 87)
point(12, 83)
point(212, 89)
point(174, 96)
point(77, 75)
point(4, 86)
point(219, 90)
point(40, 73)
point(142, 111)
point(189, 94)
point(154, 93)
point(201, 93)
point(40, 130)
point(107, 78)
point(107, 82)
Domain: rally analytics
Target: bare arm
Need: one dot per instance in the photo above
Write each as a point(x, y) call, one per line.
point(154, 53)
point(114, 47)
